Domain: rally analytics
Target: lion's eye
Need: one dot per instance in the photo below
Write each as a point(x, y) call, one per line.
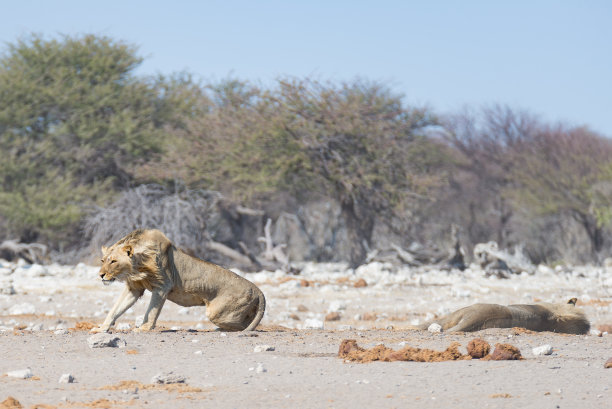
point(113, 261)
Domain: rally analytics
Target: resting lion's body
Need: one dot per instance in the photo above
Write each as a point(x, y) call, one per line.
point(147, 259)
point(565, 318)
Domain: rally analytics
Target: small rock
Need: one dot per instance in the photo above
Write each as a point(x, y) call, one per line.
point(61, 331)
point(198, 352)
point(336, 306)
point(21, 373)
point(36, 327)
point(21, 309)
point(542, 350)
point(260, 368)
point(66, 378)
point(103, 340)
point(294, 317)
point(302, 308)
point(360, 283)
point(333, 316)
point(435, 327)
point(262, 348)
point(608, 363)
point(167, 378)
point(313, 323)
point(369, 316)
point(122, 326)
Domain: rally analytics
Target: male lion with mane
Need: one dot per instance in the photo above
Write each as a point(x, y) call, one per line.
point(564, 318)
point(147, 259)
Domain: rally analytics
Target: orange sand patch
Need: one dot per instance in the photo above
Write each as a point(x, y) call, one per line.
point(10, 403)
point(172, 387)
point(349, 350)
point(83, 326)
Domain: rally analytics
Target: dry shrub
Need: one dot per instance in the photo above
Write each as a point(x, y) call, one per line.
point(182, 214)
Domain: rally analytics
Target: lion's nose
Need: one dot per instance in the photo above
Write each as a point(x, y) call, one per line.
point(102, 275)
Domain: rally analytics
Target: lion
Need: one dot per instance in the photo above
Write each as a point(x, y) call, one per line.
point(565, 318)
point(147, 260)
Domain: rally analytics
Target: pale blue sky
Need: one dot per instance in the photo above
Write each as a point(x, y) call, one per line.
point(552, 58)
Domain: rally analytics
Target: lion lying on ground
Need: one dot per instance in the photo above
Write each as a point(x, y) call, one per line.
point(146, 259)
point(565, 318)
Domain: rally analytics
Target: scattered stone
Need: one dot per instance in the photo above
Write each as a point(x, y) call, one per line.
point(263, 348)
point(123, 326)
point(336, 306)
point(61, 331)
point(35, 327)
point(294, 317)
point(103, 340)
point(302, 308)
point(21, 373)
point(504, 352)
point(6, 286)
point(608, 363)
point(313, 323)
point(22, 309)
point(435, 327)
point(198, 352)
point(333, 316)
point(595, 332)
point(369, 316)
point(66, 378)
point(168, 378)
point(10, 403)
point(260, 368)
point(360, 283)
point(478, 348)
point(542, 350)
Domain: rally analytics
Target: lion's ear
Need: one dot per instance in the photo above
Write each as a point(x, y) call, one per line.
point(572, 301)
point(128, 250)
point(104, 250)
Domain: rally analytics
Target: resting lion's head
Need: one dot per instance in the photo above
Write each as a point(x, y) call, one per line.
point(116, 263)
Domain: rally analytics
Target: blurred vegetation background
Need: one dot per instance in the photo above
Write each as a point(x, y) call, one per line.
point(90, 150)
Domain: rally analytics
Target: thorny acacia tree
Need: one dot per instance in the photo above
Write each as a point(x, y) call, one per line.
point(363, 147)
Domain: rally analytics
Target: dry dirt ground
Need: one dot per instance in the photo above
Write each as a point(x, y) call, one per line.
point(303, 371)
point(43, 326)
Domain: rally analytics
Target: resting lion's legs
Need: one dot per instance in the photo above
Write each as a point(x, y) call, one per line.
point(158, 297)
point(127, 298)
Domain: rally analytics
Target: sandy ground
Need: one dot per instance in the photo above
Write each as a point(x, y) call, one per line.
point(223, 370)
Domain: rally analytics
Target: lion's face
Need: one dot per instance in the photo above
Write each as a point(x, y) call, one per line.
point(116, 263)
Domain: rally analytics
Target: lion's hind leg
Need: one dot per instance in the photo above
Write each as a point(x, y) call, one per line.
point(230, 315)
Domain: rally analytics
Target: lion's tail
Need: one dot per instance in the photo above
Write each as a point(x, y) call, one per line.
point(261, 308)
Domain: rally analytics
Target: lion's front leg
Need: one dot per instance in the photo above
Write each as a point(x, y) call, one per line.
point(158, 297)
point(127, 298)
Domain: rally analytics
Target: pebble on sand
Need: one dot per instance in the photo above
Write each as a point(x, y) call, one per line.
point(435, 327)
point(103, 340)
point(542, 350)
point(167, 378)
point(21, 373)
point(66, 378)
point(263, 348)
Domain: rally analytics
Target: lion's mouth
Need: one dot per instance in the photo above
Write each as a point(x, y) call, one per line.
point(108, 282)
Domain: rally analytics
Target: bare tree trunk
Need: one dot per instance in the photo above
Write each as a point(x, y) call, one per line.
point(359, 232)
